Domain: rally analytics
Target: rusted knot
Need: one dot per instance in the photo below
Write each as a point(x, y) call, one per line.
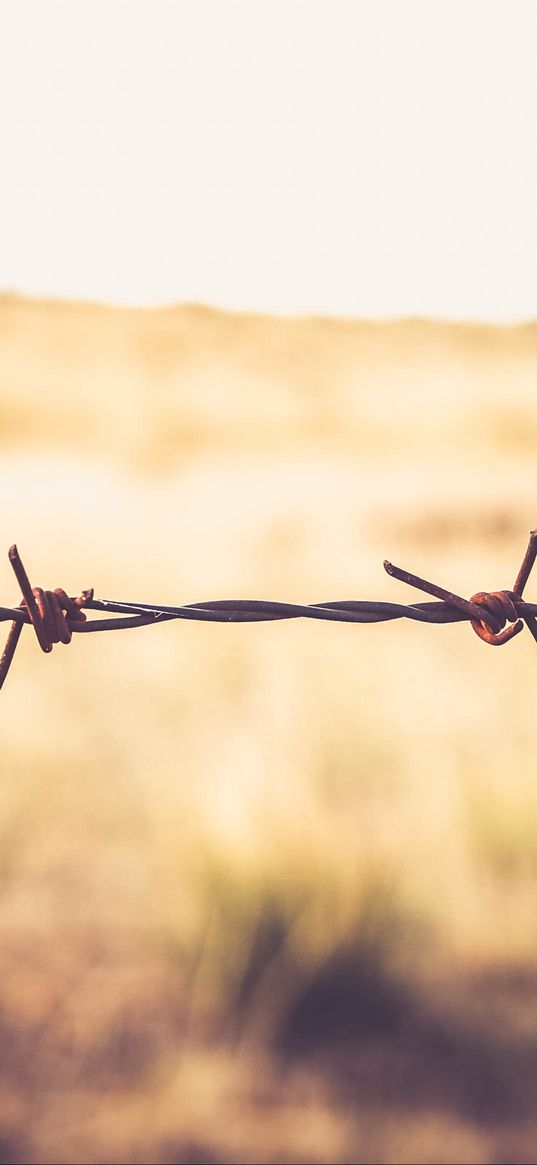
point(51, 614)
point(51, 608)
point(501, 606)
point(487, 611)
point(49, 611)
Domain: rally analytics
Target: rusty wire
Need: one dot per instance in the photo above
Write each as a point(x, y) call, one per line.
point(55, 616)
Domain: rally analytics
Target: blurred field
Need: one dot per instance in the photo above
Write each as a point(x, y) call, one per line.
point(268, 892)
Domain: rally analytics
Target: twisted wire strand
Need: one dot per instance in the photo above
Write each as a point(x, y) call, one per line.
point(261, 610)
point(55, 616)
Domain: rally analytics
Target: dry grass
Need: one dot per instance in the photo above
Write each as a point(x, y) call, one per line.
point(268, 892)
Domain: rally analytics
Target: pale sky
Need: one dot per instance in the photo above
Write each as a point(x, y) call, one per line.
point(361, 157)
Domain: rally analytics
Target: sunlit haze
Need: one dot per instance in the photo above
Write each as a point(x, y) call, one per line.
point(282, 155)
point(268, 881)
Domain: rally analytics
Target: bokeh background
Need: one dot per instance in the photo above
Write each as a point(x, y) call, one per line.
point(268, 893)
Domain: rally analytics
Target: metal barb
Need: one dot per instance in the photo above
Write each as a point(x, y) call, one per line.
point(46, 610)
point(488, 611)
point(470, 609)
point(527, 565)
point(29, 599)
point(506, 605)
point(9, 650)
point(522, 577)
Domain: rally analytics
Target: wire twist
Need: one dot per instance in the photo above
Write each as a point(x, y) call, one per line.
point(501, 606)
point(55, 615)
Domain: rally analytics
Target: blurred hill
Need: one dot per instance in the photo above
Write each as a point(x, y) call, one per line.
point(154, 384)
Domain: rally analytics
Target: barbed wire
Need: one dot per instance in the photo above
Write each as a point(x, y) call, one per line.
point(55, 616)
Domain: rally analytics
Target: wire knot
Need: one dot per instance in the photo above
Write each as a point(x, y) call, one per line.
point(47, 610)
point(500, 608)
point(487, 611)
point(49, 615)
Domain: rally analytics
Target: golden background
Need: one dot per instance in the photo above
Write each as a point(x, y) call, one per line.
point(268, 891)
